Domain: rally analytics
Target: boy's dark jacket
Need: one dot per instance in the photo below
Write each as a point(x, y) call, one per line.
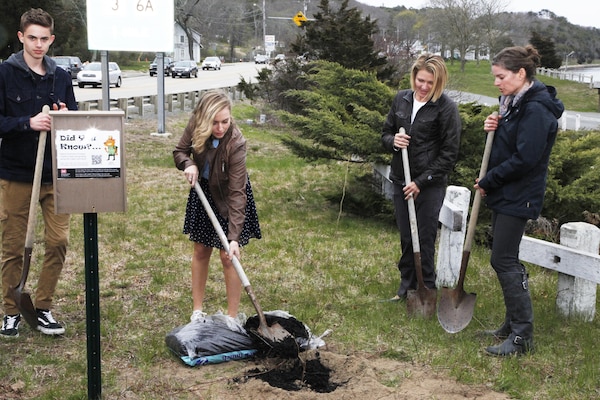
point(21, 98)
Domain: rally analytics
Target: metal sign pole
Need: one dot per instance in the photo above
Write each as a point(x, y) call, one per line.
point(160, 66)
point(92, 288)
point(105, 80)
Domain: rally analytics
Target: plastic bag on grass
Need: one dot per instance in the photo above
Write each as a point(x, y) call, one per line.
point(215, 339)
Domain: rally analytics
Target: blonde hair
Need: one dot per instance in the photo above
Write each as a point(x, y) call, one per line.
point(436, 66)
point(211, 103)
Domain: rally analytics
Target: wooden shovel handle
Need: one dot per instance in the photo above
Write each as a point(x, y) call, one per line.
point(37, 181)
point(236, 263)
point(412, 217)
point(35, 197)
point(477, 199)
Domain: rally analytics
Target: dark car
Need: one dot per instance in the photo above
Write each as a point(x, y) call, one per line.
point(187, 68)
point(71, 64)
point(167, 64)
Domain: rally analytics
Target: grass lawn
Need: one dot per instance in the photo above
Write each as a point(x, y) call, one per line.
point(477, 78)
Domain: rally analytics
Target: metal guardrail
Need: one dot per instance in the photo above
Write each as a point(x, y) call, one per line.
point(141, 106)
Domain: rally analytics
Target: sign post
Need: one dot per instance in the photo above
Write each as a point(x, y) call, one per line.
point(89, 174)
point(89, 177)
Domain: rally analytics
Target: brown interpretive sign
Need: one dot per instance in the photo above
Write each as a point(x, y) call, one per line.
point(88, 158)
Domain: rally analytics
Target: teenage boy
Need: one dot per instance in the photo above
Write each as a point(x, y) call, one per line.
point(29, 80)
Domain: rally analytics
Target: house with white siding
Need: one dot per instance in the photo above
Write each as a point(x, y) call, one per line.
point(180, 45)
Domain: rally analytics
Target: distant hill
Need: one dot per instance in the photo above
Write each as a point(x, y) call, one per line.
point(567, 37)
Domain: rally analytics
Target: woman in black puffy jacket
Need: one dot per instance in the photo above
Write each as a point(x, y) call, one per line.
point(432, 137)
point(515, 182)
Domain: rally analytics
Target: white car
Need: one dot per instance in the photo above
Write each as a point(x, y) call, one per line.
point(91, 74)
point(211, 63)
point(261, 59)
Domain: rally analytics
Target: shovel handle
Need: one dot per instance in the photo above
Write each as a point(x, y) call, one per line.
point(236, 263)
point(35, 189)
point(477, 199)
point(222, 237)
point(412, 217)
point(412, 213)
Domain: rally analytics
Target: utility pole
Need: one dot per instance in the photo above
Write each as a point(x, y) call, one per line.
point(264, 12)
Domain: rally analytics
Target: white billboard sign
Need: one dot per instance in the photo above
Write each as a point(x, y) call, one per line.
point(130, 25)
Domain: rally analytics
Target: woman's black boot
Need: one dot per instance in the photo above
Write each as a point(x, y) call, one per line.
point(519, 308)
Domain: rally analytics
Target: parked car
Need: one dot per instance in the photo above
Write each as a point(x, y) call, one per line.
point(91, 74)
point(71, 64)
point(167, 64)
point(279, 58)
point(185, 68)
point(261, 59)
point(211, 63)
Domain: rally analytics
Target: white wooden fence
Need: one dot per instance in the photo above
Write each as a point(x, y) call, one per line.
point(566, 74)
point(575, 259)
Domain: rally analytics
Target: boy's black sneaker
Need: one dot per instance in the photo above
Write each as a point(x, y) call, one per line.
point(47, 324)
point(10, 326)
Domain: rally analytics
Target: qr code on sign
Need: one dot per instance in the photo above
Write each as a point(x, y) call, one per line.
point(96, 159)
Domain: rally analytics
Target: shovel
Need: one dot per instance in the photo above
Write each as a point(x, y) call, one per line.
point(270, 334)
point(456, 306)
point(23, 299)
point(423, 300)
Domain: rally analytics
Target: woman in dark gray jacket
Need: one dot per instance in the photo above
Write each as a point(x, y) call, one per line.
point(515, 182)
point(432, 136)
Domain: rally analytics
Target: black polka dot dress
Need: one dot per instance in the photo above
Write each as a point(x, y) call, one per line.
point(198, 226)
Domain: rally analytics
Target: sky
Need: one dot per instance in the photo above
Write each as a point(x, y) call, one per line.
point(578, 12)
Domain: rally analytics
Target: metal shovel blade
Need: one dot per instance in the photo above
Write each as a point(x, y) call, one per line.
point(23, 299)
point(274, 333)
point(421, 302)
point(456, 307)
point(455, 310)
point(28, 310)
point(270, 334)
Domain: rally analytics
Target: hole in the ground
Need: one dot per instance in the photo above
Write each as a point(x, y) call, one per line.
point(296, 374)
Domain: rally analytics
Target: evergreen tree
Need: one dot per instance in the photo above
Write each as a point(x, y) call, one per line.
point(341, 36)
point(342, 114)
point(546, 49)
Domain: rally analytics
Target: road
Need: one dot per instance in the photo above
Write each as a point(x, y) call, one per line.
point(142, 84)
point(571, 120)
